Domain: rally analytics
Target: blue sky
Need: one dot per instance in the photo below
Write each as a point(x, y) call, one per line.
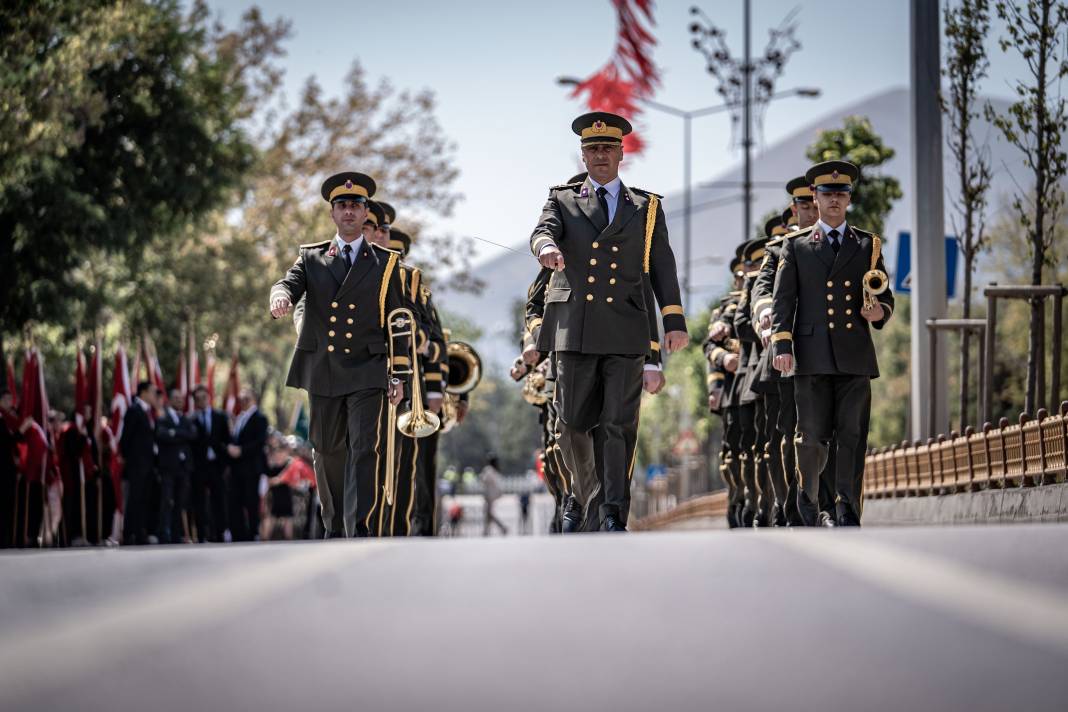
point(493, 66)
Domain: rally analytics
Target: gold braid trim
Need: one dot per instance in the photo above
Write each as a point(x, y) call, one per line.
point(416, 275)
point(650, 223)
point(876, 251)
point(385, 287)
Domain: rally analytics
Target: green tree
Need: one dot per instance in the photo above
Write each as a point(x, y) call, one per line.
point(857, 142)
point(148, 136)
point(1036, 124)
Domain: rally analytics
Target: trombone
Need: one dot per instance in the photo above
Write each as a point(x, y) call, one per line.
point(416, 422)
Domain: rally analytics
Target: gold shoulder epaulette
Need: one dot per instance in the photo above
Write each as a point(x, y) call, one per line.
point(737, 293)
point(647, 193)
point(312, 245)
point(797, 233)
point(566, 185)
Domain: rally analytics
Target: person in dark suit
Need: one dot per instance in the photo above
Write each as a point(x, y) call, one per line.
point(608, 245)
point(174, 462)
point(209, 467)
point(821, 325)
point(342, 357)
point(248, 460)
point(138, 448)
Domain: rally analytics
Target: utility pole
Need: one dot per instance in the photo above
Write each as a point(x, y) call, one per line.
point(928, 268)
point(747, 128)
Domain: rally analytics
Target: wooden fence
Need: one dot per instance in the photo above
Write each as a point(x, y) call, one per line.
point(1025, 454)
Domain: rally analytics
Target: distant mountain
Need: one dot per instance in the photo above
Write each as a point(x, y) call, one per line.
point(717, 214)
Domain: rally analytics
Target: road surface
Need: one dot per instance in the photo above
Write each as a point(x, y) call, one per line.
point(894, 619)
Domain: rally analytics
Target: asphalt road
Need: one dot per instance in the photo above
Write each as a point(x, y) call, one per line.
point(895, 619)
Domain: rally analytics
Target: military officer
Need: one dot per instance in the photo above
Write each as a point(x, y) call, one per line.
point(341, 356)
point(821, 324)
point(608, 245)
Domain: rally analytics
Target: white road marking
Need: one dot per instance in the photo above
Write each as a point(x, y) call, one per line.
point(1021, 610)
point(67, 647)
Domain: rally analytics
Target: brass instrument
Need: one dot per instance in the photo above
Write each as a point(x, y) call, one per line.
point(416, 422)
point(535, 389)
point(875, 281)
point(464, 374)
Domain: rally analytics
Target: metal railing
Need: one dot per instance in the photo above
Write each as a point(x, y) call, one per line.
point(1028, 453)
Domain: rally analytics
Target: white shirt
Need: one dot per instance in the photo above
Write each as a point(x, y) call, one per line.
point(356, 245)
point(825, 229)
point(611, 195)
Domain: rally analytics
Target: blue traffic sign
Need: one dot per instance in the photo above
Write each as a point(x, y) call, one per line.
point(903, 272)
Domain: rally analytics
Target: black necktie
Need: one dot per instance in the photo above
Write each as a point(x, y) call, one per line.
point(604, 202)
point(833, 234)
point(347, 251)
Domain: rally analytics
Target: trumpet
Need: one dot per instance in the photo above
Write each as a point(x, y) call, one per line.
point(875, 281)
point(416, 422)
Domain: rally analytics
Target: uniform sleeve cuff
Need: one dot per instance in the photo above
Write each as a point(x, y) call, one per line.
point(674, 322)
point(652, 367)
point(542, 244)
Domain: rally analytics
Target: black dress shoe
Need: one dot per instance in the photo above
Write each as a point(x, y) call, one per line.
point(825, 520)
point(779, 518)
point(572, 519)
point(611, 524)
point(848, 519)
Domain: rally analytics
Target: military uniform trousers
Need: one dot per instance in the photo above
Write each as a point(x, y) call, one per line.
point(832, 414)
point(787, 426)
point(396, 520)
point(346, 432)
point(603, 392)
point(424, 519)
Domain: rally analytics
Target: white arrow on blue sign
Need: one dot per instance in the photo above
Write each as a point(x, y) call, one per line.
point(903, 273)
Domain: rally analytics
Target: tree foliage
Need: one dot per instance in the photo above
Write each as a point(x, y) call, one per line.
point(857, 142)
point(127, 128)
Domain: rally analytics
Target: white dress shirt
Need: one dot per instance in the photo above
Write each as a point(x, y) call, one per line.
point(611, 195)
point(356, 245)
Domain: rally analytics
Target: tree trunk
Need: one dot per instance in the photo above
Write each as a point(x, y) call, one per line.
point(965, 337)
point(1035, 358)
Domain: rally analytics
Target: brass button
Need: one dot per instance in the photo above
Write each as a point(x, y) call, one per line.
point(609, 299)
point(613, 265)
point(830, 284)
point(615, 248)
point(848, 283)
point(330, 347)
point(348, 334)
point(349, 320)
point(591, 280)
point(593, 262)
point(333, 304)
point(831, 325)
point(333, 318)
point(596, 245)
point(348, 351)
point(849, 325)
point(849, 312)
point(849, 297)
point(330, 333)
point(352, 306)
point(831, 312)
point(830, 297)
point(612, 281)
point(589, 297)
